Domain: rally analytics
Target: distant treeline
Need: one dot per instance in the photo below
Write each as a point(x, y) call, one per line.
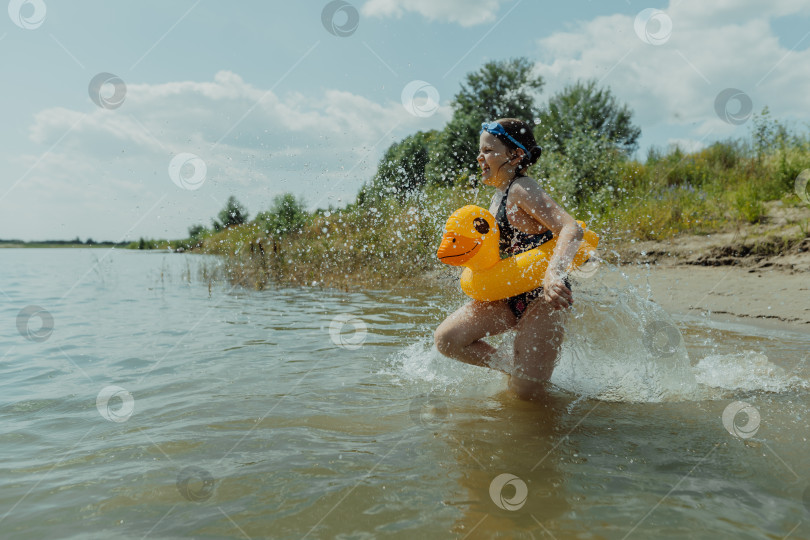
point(232, 215)
point(75, 242)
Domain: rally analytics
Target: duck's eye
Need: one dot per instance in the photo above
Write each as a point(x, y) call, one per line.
point(481, 225)
point(454, 240)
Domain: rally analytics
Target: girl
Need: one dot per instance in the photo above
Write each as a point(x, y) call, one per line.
point(526, 217)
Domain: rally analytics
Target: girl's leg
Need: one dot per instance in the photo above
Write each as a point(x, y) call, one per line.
point(537, 344)
point(459, 336)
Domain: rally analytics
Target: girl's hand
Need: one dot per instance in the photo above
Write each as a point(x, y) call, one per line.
point(556, 293)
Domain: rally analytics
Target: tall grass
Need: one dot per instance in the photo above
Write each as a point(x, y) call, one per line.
point(372, 244)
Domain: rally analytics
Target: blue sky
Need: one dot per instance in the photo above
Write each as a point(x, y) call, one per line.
point(259, 98)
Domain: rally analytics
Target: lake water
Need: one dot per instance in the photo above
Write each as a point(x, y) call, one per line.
point(143, 397)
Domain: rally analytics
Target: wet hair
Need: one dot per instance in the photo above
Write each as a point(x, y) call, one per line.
point(522, 132)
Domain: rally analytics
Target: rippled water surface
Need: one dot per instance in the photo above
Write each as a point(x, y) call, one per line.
point(160, 402)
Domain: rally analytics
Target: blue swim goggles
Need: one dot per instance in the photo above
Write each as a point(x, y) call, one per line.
point(496, 129)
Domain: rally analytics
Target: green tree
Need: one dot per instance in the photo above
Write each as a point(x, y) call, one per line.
point(588, 169)
point(500, 89)
point(582, 109)
point(767, 133)
point(234, 213)
point(196, 230)
point(402, 168)
point(287, 215)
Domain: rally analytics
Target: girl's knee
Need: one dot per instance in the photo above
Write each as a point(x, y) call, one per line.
point(449, 341)
point(443, 340)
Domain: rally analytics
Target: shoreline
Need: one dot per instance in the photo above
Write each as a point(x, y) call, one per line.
point(781, 241)
point(51, 245)
point(755, 273)
point(761, 297)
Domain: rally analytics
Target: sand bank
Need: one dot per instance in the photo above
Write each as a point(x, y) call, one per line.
point(759, 271)
point(757, 295)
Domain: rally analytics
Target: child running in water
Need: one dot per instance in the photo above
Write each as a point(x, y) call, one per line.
point(527, 217)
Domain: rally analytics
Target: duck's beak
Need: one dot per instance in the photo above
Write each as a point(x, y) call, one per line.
point(455, 249)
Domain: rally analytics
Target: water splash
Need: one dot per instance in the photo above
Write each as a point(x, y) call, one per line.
point(746, 371)
point(608, 353)
point(619, 346)
point(421, 365)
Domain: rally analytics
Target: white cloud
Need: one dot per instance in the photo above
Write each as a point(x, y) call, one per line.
point(106, 168)
point(463, 12)
point(713, 46)
point(171, 114)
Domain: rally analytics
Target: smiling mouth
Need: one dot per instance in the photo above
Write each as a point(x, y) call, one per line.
point(460, 254)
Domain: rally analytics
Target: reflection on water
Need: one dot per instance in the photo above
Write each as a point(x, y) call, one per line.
point(162, 405)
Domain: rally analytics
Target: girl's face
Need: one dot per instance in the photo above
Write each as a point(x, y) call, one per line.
point(497, 162)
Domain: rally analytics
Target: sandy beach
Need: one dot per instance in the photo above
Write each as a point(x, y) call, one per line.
point(757, 272)
point(759, 296)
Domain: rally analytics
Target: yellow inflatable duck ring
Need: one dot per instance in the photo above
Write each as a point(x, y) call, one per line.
point(471, 240)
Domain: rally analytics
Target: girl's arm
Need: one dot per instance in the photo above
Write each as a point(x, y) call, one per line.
point(530, 197)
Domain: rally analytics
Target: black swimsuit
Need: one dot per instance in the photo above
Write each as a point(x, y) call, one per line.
point(513, 242)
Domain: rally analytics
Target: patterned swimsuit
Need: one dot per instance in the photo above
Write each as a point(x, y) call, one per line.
point(513, 242)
